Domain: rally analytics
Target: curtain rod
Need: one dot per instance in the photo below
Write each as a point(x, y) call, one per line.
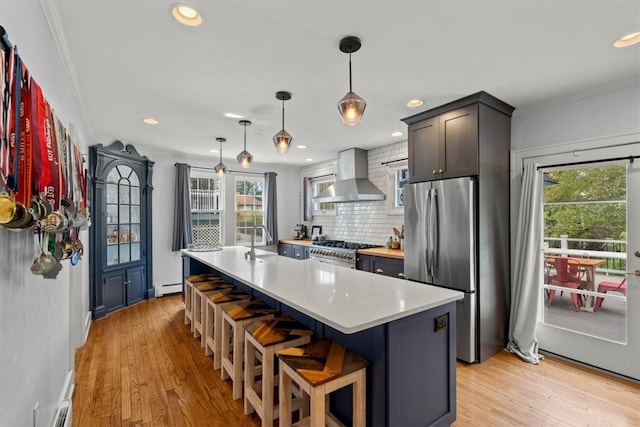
point(394, 161)
point(4, 38)
point(586, 162)
point(322, 176)
point(229, 170)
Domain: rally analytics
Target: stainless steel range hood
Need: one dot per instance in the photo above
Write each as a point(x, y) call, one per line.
point(352, 181)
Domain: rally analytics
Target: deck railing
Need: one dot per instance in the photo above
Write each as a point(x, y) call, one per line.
point(613, 251)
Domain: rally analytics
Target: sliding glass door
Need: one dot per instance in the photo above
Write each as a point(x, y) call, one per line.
point(589, 290)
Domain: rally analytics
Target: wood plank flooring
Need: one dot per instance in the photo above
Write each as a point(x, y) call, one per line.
point(141, 366)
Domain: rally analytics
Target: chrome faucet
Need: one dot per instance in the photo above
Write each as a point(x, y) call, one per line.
point(251, 255)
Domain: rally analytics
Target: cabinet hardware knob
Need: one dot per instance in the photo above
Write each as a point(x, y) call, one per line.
point(401, 275)
point(435, 171)
point(440, 171)
point(379, 271)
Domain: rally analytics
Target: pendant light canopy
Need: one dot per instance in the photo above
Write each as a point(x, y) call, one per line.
point(282, 140)
point(245, 158)
point(351, 106)
point(220, 168)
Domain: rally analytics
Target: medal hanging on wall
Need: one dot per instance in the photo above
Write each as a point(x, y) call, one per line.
point(41, 153)
point(7, 200)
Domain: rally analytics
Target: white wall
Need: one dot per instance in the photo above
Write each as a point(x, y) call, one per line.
point(362, 222)
point(167, 266)
point(42, 319)
point(608, 114)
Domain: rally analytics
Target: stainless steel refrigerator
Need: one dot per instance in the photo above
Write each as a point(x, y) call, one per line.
point(442, 234)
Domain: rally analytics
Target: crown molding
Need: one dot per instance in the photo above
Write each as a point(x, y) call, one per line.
point(52, 15)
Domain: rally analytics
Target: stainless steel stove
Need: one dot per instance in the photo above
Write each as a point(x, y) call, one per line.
point(337, 252)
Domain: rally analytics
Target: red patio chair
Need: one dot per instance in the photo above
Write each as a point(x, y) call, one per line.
point(565, 269)
point(604, 287)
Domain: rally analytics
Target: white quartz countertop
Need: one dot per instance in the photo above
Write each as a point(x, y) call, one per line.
point(345, 299)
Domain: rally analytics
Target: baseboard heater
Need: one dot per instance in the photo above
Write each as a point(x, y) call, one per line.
point(170, 288)
point(63, 414)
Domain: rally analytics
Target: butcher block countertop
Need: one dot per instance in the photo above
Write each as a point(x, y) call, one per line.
point(345, 299)
point(383, 252)
point(303, 242)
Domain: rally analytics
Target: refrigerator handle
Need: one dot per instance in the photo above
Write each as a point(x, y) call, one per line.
point(427, 229)
point(435, 224)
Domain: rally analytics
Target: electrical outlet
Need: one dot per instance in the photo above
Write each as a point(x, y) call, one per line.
point(441, 322)
point(36, 414)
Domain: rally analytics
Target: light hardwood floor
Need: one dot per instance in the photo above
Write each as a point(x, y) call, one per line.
point(141, 366)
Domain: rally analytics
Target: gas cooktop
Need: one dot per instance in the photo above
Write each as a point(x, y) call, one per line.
point(341, 244)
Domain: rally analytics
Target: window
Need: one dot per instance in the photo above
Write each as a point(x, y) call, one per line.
point(397, 178)
point(206, 209)
point(323, 208)
point(249, 210)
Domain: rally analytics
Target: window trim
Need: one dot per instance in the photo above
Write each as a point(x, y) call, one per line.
point(210, 174)
point(246, 177)
point(392, 209)
point(314, 190)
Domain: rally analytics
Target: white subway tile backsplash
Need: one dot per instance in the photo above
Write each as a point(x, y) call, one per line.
point(365, 222)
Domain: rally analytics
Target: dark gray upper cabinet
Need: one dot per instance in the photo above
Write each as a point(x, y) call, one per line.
point(453, 140)
point(121, 246)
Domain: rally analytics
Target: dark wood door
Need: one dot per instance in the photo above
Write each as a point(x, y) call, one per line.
point(424, 151)
point(458, 134)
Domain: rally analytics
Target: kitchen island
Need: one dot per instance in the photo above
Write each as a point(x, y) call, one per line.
point(405, 329)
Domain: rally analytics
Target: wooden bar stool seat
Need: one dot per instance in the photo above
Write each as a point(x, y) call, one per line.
point(266, 337)
point(196, 302)
point(319, 369)
point(200, 314)
point(189, 283)
point(212, 335)
point(234, 318)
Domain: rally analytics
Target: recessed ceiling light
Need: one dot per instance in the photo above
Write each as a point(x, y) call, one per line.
point(627, 40)
point(150, 121)
point(186, 15)
point(309, 160)
point(396, 133)
point(415, 103)
point(301, 146)
point(233, 116)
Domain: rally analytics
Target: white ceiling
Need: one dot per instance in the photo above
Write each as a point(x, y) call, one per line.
point(131, 59)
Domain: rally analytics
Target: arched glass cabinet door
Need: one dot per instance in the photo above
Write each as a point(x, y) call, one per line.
point(123, 216)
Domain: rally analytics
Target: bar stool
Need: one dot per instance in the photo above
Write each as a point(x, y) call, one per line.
point(212, 334)
point(319, 369)
point(196, 304)
point(200, 307)
point(266, 337)
point(189, 283)
point(234, 318)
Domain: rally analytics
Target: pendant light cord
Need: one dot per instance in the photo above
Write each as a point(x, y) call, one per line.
point(282, 113)
point(220, 151)
point(350, 90)
point(245, 136)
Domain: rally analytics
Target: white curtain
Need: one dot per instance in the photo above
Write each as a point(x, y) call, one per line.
point(525, 283)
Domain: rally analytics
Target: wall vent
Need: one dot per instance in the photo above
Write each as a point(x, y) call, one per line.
point(63, 415)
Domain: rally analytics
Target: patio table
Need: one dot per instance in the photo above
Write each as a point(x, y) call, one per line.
point(589, 265)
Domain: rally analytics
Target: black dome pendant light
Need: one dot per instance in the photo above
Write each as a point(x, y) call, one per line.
point(245, 158)
point(351, 106)
point(220, 168)
point(283, 140)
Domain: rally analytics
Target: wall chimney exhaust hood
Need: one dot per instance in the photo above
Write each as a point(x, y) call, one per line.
point(352, 181)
